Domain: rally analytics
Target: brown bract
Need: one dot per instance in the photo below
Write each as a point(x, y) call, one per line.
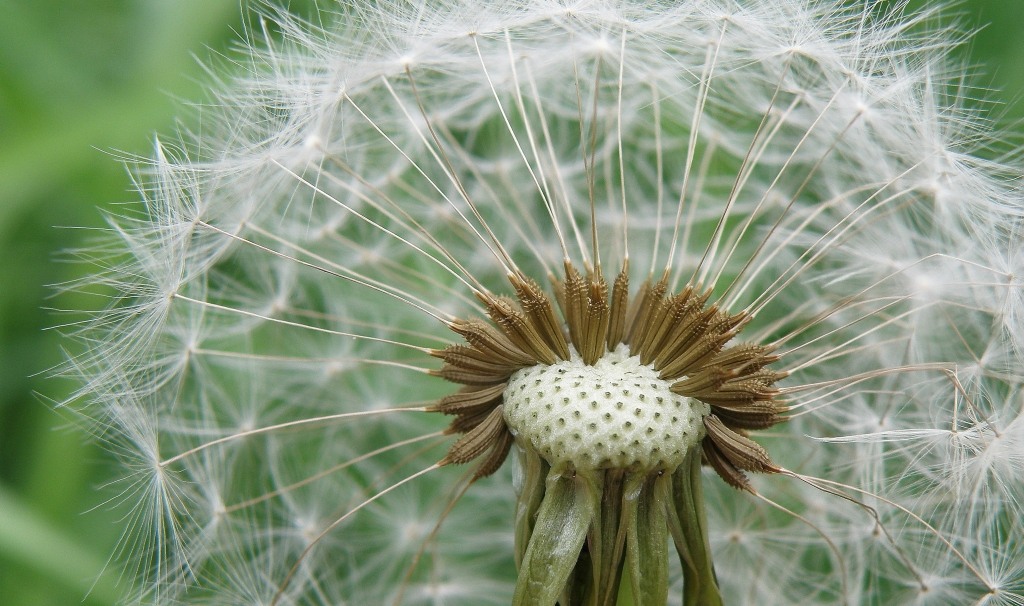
point(687, 340)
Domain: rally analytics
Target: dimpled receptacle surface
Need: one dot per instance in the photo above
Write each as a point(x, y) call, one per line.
point(614, 414)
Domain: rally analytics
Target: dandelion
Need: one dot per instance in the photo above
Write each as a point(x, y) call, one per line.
point(572, 302)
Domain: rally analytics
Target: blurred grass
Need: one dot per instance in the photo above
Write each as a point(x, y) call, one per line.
point(78, 79)
point(75, 78)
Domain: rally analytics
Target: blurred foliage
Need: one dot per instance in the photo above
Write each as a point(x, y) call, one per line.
point(78, 81)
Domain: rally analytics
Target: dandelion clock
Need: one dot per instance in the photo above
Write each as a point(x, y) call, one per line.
point(576, 303)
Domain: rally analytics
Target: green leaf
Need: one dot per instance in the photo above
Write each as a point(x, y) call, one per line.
point(562, 523)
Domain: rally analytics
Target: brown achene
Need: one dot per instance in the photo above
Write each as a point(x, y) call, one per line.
point(688, 341)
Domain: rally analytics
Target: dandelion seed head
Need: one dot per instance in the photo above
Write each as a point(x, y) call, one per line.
point(618, 405)
point(337, 289)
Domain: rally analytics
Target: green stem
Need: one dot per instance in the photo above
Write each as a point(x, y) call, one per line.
point(646, 543)
point(689, 529)
point(609, 541)
point(598, 538)
point(625, 597)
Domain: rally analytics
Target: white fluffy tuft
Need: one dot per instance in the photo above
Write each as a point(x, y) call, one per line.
point(362, 174)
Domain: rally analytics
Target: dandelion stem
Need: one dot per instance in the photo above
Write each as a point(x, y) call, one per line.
point(689, 529)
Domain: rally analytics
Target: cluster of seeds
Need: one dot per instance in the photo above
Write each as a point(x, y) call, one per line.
point(622, 383)
point(614, 414)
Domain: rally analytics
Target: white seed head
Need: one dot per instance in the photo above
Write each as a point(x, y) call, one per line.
point(357, 180)
point(615, 413)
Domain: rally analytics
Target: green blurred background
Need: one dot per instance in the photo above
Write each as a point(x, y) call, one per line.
point(82, 79)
